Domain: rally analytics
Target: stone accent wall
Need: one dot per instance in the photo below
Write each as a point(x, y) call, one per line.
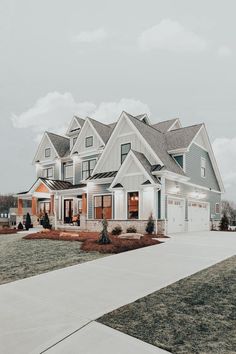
point(140, 225)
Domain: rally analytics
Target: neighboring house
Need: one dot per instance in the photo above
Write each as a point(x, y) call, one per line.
point(126, 171)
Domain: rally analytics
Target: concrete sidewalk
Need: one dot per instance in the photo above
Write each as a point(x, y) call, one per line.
point(40, 311)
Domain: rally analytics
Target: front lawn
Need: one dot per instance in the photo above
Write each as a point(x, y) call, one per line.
point(21, 258)
point(194, 315)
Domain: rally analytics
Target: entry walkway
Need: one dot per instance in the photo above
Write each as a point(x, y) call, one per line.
point(54, 312)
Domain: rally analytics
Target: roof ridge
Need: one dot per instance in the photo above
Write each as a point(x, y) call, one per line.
point(188, 126)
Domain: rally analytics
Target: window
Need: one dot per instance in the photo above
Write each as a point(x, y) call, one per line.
point(133, 205)
point(48, 172)
point(74, 140)
point(103, 207)
point(217, 208)
point(68, 172)
point(44, 207)
point(87, 168)
point(180, 160)
point(47, 152)
point(124, 149)
point(89, 141)
point(203, 167)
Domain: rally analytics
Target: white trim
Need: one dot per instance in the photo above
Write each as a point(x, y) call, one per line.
point(203, 148)
point(139, 203)
point(41, 144)
point(178, 151)
point(112, 140)
point(93, 204)
point(203, 167)
point(176, 120)
point(68, 132)
point(184, 160)
point(87, 121)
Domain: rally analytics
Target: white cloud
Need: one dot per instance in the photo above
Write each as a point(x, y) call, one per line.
point(54, 111)
point(224, 51)
point(171, 36)
point(94, 36)
point(225, 152)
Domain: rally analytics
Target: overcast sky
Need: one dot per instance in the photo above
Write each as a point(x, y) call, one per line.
point(168, 58)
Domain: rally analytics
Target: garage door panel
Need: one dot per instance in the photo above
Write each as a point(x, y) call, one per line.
point(176, 215)
point(198, 216)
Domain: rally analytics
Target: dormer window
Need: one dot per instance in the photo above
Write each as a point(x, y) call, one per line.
point(89, 141)
point(47, 152)
point(180, 160)
point(124, 149)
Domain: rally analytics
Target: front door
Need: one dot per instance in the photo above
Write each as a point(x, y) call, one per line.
point(68, 211)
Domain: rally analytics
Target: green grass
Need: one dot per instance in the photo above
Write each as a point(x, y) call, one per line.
point(23, 258)
point(194, 315)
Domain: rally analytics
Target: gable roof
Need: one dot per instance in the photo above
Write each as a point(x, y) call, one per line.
point(102, 129)
point(157, 142)
point(181, 138)
point(165, 125)
point(146, 164)
point(60, 143)
point(80, 120)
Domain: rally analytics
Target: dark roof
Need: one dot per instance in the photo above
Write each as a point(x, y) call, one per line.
point(103, 175)
point(60, 185)
point(157, 142)
point(102, 129)
point(60, 143)
point(146, 164)
point(146, 182)
point(118, 185)
point(182, 137)
point(156, 168)
point(165, 125)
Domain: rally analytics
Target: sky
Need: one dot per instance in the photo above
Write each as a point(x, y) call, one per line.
point(96, 58)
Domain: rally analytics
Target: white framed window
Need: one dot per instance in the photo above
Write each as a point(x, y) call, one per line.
point(203, 167)
point(48, 172)
point(124, 150)
point(68, 172)
point(87, 168)
point(47, 152)
point(217, 208)
point(88, 141)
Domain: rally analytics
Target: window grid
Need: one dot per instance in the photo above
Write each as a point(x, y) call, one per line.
point(87, 168)
point(103, 207)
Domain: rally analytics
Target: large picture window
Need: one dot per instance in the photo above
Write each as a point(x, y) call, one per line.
point(124, 150)
point(133, 205)
point(103, 207)
point(87, 168)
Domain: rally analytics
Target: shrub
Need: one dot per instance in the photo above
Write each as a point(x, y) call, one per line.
point(46, 222)
point(131, 230)
point(224, 223)
point(20, 226)
point(117, 230)
point(150, 225)
point(28, 221)
point(104, 237)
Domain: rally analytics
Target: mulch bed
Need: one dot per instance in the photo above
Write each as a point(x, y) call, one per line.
point(7, 231)
point(90, 241)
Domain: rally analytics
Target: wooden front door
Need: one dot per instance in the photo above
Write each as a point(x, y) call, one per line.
point(68, 211)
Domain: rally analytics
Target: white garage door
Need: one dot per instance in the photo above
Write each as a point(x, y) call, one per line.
point(175, 215)
point(198, 216)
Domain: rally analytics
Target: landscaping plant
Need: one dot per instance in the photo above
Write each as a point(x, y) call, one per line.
point(20, 226)
point(28, 221)
point(131, 230)
point(150, 225)
point(104, 237)
point(117, 230)
point(46, 222)
point(224, 223)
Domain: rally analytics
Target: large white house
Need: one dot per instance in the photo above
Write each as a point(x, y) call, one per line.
point(126, 171)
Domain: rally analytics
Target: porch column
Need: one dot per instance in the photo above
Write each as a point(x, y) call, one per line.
point(34, 206)
point(20, 207)
point(52, 205)
point(84, 204)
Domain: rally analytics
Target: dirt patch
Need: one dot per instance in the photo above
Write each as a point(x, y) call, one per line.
point(195, 315)
point(90, 241)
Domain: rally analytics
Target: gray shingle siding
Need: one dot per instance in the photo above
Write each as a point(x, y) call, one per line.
point(93, 190)
point(193, 168)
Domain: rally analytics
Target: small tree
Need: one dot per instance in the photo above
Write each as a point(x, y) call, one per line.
point(46, 222)
point(150, 225)
point(27, 221)
point(224, 223)
point(104, 237)
point(20, 226)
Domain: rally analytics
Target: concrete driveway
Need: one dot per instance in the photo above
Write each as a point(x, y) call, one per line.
point(55, 312)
